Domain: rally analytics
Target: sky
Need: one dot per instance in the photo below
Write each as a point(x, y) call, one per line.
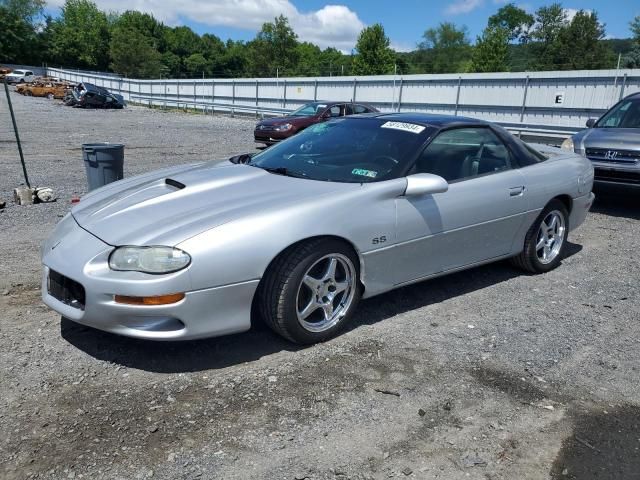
point(336, 23)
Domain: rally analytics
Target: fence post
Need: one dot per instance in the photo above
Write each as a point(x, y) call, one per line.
point(524, 99)
point(257, 97)
point(213, 96)
point(624, 84)
point(178, 94)
point(233, 97)
point(195, 95)
point(524, 103)
point(315, 90)
point(458, 94)
point(164, 85)
point(400, 94)
point(284, 95)
point(355, 83)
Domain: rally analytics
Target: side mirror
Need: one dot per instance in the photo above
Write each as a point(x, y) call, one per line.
point(591, 122)
point(243, 158)
point(425, 184)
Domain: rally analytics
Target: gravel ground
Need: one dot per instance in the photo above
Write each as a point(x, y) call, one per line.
point(485, 374)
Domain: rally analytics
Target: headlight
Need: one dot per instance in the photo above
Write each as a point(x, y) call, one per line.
point(283, 128)
point(149, 259)
point(567, 144)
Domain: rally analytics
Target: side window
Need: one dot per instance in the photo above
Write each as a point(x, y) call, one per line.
point(360, 109)
point(29, 74)
point(464, 153)
point(335, 111)
point(348, 110)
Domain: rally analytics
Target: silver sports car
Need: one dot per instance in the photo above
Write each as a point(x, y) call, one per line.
point(299, 232)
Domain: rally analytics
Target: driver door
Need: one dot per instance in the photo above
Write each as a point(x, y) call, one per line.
point(476, 219)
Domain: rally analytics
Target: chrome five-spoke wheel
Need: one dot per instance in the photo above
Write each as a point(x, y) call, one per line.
point(550, 237)
point(326, 292)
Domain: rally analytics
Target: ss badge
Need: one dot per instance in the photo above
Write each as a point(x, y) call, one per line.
point(379, 240)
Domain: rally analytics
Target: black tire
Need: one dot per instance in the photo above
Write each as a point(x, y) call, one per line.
point(529, 258)
point(279, 291)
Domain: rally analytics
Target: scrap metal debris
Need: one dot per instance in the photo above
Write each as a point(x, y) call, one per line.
point(87, 95)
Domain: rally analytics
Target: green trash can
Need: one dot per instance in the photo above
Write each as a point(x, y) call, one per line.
point(104, 163)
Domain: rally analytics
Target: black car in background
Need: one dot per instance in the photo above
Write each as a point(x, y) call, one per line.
point(88, 95)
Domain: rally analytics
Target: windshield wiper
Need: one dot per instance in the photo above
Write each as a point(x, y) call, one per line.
point(285, 171)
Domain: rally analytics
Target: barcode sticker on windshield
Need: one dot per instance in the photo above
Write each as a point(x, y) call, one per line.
point(407, 127)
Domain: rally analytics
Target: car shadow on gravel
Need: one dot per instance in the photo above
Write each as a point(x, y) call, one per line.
point(617, 201)
point(438, 290)
point(175, 357)
point(221, 352)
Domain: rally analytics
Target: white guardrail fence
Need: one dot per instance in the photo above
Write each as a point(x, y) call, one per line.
point(551, 104)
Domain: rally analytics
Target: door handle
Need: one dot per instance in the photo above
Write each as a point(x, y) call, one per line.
point(516, 191)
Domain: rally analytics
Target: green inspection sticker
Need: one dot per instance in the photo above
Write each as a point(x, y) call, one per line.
point(364, 173)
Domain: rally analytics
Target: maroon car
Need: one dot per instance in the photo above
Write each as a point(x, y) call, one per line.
point(272, 130)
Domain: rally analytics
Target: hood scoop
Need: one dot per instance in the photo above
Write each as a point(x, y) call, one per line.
point(174, 183)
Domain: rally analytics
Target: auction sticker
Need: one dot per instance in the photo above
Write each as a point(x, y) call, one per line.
point(364, 173)
point(406, 127)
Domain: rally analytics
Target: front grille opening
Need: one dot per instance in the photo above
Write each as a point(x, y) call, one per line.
point(617, 176)
point(66, 290)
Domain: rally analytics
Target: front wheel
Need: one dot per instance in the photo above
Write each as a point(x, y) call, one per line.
point(311, 291)
point(546, 240)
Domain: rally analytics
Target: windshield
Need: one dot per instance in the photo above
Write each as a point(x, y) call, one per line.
point(309, 109)
point(346, 150)
point(624, 115)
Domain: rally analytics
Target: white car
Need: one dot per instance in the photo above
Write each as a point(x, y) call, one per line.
point(20, 76)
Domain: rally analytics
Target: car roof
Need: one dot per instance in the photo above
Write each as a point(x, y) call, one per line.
point(426, 119)
point(343, 102)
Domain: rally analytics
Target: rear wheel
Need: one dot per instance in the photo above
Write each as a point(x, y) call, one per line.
point(311, 291)
point(545, 242)
point(50, 96)
point(28, 93)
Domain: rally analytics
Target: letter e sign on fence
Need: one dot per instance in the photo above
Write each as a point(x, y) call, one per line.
point(559, 98)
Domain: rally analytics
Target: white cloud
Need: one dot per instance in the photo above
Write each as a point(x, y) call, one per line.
point(463, 6)
point(331, 26)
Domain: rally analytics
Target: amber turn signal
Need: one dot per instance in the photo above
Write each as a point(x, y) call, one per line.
point(158, 300)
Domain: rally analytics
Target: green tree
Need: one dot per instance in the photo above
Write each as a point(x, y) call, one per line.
point(134, 53)
point(634, 26)
point(309, 58)
point(235, 60)
point(632, 59)
point(374, 55)
point(274, 49)
point(491, 52)
point(445, 49)
point(579, 45)
point(80, 36)
point(196, 65)
point(515, 20)
point(334, 62)
point(28, 10)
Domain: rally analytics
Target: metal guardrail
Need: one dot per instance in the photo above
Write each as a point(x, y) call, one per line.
point(153, 100)
point(531, 129)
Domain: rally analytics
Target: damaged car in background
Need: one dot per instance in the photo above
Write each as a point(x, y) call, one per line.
point(88, 95)
point(298, 233)
point(45, 87)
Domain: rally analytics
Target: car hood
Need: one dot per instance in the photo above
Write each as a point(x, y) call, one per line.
point(282, 120)
point(172, 205)
point(609, 138)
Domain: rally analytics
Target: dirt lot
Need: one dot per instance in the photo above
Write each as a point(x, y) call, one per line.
point(486, 374)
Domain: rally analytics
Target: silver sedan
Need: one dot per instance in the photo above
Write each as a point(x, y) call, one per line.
point(297, 234)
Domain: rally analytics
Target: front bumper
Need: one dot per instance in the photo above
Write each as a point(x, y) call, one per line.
point(81, 257)
point(617, 173)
